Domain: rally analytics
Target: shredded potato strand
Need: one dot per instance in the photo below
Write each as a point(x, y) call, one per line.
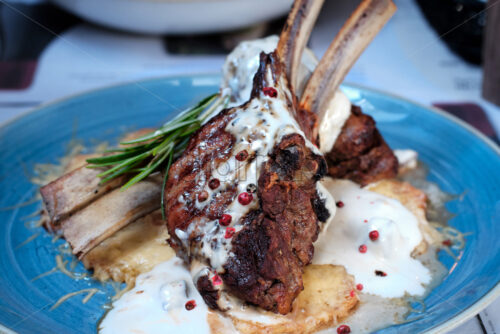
point(118, 290)
point(61, 265)
point(51, 271)
point(90, 292)
point(27, 241)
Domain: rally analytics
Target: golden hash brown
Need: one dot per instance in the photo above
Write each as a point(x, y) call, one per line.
point(329, 295)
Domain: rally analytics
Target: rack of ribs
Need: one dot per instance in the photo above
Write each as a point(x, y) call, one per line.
point(242, 204)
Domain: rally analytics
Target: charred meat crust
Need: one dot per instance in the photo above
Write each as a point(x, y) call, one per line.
point(259, 80)
point(319, 207)
point(209, 145)
point(307, 120)
point(208, 292)
point(277, 240)
point(360, 152)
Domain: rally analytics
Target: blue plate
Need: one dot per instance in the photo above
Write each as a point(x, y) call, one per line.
point(461, 161)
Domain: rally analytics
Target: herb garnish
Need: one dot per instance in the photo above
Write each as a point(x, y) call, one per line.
point(156, 150)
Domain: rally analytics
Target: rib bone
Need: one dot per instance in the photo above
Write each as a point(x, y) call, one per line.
point(79, 186)
point(356, 34)
point(295, 35)
point(90, 226)
point(73, 191)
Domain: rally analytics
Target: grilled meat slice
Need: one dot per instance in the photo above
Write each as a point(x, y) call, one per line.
point(192, 172)
point(360, 153)
point(260, 254)
point(276, 241)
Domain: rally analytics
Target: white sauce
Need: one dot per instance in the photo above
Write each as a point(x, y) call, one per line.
point(160, 307)
point(242, 64)
point(336, 114)
point(258, 128)
point(373, 313)
point(407, 159)
point(399, 234)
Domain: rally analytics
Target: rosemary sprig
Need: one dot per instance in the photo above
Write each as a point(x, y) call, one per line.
point(156, 150)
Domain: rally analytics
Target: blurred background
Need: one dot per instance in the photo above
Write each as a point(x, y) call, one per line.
point(444, 53)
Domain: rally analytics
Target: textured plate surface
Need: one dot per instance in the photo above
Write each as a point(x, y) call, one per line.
point(459, 159)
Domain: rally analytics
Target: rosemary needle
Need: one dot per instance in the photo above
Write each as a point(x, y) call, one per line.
point(155, 151)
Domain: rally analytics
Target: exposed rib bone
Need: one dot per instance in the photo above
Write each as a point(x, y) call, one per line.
point(356, 34)
point(295, 35)
point(73, 191)
point(90, 226)
point(79, 186)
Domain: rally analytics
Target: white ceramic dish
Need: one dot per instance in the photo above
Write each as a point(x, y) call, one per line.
point(176, 16)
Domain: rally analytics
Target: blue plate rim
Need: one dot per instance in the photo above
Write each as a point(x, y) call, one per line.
point(447, 325)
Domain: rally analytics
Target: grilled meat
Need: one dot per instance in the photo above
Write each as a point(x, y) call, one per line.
point(270, 196)
point(249, 229)
point(360, 153)
point(276, 241)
